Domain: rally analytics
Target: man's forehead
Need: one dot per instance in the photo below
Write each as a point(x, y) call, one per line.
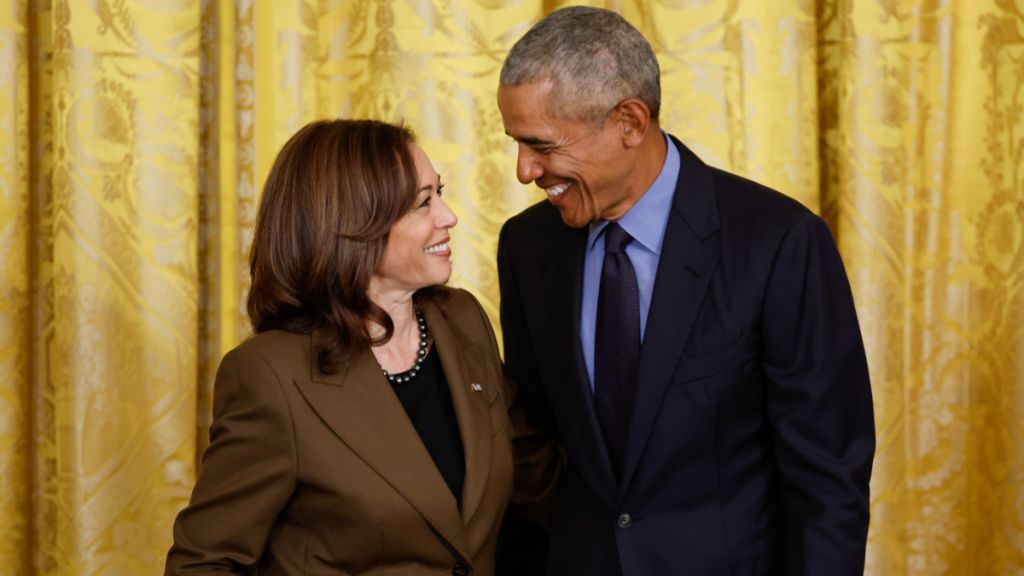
point(532, 129)
point(532, 95)
point(531, 117)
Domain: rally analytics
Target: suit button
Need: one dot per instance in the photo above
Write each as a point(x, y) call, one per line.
point(460, 569)
point(624, 521)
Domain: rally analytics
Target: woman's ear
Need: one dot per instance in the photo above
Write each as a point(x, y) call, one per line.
point(634, 121)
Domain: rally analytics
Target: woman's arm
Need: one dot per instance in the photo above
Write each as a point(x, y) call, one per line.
point(247, 474)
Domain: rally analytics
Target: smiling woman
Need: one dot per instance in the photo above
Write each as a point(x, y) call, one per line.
point(418, 250)
point(356, 431)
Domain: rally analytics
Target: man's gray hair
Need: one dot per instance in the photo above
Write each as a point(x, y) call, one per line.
point(594, 58)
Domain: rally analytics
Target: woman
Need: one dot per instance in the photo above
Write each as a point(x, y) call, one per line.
point(363, 429)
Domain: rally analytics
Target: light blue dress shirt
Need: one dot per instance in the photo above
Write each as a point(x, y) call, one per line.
point(645, 222)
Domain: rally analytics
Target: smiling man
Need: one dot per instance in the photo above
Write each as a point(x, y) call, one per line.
point(686, 336)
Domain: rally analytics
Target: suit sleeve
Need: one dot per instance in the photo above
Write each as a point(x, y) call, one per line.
point(538, 462)
point(819, 403)
point(247, 475)
point(523, 543)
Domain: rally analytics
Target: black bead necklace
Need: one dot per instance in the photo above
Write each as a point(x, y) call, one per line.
point(421, 353)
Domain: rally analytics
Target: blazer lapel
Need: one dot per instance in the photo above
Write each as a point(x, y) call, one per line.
point(580, 429)
point(689, 255)
point(358, 405)
point(457, 352)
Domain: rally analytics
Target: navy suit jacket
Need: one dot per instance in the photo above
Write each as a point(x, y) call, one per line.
point(752, 434)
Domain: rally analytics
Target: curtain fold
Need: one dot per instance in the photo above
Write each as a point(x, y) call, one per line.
point(137, 133)
point(15, 284)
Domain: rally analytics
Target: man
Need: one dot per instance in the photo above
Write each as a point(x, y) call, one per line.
point(686, 336)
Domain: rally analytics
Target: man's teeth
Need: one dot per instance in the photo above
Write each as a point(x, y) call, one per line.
point(556, 191)
point(436, 248)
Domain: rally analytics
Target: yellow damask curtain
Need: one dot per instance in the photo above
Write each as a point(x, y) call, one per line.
point(135, 135)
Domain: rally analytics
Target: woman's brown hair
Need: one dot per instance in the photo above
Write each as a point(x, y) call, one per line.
point(332, 195)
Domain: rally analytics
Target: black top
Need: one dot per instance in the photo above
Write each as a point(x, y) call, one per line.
point(428, 403)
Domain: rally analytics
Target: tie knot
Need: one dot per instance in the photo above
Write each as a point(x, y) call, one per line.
point(615, 238)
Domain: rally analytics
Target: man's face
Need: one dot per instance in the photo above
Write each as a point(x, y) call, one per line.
point(583, 168)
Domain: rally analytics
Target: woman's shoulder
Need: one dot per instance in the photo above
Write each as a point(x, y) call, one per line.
point(462, 309)
point(276, 348)
point(258, 369)
point(455, 303)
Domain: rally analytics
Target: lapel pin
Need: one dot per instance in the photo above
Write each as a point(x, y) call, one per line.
point(477, 387)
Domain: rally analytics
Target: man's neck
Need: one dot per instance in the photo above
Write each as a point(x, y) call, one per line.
point(650, 159)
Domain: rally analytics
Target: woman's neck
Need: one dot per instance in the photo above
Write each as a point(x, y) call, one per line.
point(399, 352)
point(398, 305)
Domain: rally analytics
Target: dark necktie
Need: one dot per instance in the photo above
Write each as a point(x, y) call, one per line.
point(616, 343)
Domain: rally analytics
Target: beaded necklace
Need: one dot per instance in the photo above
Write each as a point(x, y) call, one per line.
point(421, 354)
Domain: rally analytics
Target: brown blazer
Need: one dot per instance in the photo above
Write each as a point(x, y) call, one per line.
point(309, 473)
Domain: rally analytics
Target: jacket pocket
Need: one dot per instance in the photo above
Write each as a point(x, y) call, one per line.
point(705, 364)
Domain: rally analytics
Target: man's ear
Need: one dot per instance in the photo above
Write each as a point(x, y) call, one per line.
point(634, 121)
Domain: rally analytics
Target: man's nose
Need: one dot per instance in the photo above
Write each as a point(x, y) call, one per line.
point(528, 166)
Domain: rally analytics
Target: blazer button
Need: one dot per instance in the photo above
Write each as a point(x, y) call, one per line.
point(460, 569)
point(625, 521)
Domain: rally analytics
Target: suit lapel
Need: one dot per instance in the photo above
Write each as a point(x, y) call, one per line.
point(689, 255)
point(358, 405)
point(457, 352)
point(580, 429)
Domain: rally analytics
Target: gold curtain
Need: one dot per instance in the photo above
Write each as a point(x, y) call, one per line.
point(135, 135)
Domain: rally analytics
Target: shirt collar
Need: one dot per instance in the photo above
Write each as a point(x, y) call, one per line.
point(646, 220)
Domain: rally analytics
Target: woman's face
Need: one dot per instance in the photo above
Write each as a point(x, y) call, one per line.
point(417, 253)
